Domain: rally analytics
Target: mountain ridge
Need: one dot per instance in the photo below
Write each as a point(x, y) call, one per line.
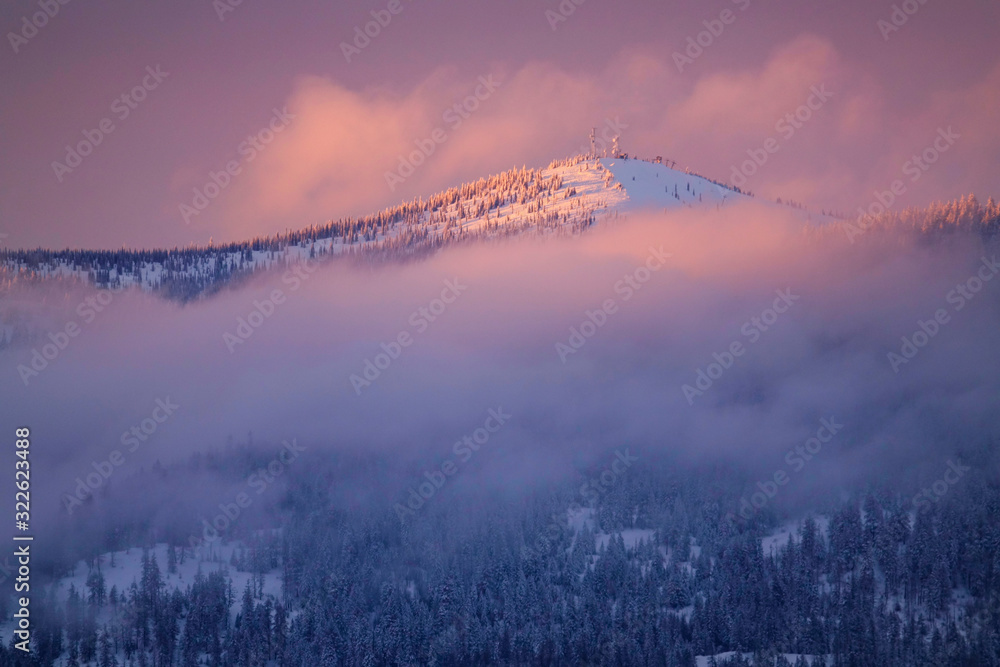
point(567, 197)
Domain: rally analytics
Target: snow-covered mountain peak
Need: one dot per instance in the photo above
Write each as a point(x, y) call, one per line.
point(566, 197)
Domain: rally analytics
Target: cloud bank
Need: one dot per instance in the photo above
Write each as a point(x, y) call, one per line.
point(443, 341)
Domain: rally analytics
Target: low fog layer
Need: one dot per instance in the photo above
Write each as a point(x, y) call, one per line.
point(668, 296)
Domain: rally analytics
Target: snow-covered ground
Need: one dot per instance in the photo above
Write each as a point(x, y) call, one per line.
point(771, 544)
point(584, 518)
point(127, 569)
point(778, 539)
point(650, 185)
point(631, 537)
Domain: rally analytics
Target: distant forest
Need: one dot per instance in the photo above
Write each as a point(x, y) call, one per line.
point(874, 580)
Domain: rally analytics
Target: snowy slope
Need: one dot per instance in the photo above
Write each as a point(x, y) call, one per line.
point(567, 197)
point(651, 185)
point(122, 569)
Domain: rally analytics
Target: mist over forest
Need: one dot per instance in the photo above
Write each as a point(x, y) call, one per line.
point(691, 378)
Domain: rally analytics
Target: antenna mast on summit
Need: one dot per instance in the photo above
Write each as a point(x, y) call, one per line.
point(593, 143)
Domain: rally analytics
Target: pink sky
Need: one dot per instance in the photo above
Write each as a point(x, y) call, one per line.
point(352, 120)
